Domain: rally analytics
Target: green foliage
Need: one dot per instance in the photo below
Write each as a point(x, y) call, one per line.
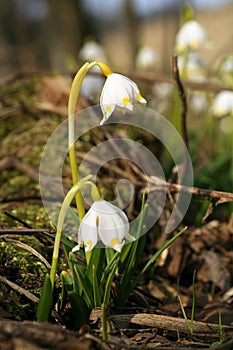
point(45, 302)
point(190, 322)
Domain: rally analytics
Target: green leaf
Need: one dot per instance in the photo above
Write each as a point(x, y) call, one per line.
point(107, 269)
point(45, 302)
point(109, 282)
point(130, 266)
point(82, 284)
point(80, 310)
point(96, 288)
point(97, 259)
point(72, 262)
point(130, 258)
point(85, 285)
point(67, 286)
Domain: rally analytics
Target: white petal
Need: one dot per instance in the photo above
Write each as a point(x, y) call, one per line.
point(113, 223)
point(118, 91)
point(192, 35)
point(223, 103)
point(87, 232)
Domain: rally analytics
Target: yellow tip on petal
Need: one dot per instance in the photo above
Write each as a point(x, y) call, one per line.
point(126, 101)
point(108, 109)
point(89, 245)
point(129, 237)
point(114, 242)
point(140, 98)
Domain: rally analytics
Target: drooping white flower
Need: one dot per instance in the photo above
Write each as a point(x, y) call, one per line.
point(92, 84)
point(92, 51)
point(226, 65)
point(146, 59)
point(225, 70)
point(198, 101)
point(118, 92)
point(106, 223)
point(191, 67)
point(223, 103)
point(191, 36)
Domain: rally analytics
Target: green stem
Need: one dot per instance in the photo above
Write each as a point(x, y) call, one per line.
point(62, 214)
point(73, 98)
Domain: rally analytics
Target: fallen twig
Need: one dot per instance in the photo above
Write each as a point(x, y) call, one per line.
point(28, 248)
point(170, 323)
point(160, 185)
point(19, 289)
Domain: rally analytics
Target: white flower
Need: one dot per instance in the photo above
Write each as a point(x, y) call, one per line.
point(92, 84)
point(223, 103)
point(118, 92)
point(192, 67)
point(92, 51)
point(226, 65)
point(191, 36)
point(146, 58)
point(104, 222)
point(225, 70)
point(198, 101)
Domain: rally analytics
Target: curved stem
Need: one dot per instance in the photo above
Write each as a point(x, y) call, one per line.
point(62, 214)
point(73, 98)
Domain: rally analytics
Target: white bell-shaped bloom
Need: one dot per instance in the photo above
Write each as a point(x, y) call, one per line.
point(92, 84)
point(225, 70)
point(92, 51)
point(118, 92)
point(146, 59)
point(106, 223)
point(191, 36)
point(223, 103)
point(198, 101)
point(226, 65)
point(191, 67)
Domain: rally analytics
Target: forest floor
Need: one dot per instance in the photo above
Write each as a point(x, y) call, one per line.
point(193, 274)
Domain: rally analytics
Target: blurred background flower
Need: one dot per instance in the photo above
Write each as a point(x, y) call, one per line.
point(41, 34)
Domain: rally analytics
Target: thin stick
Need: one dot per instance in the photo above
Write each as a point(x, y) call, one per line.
point(19, 289)
point(160, 185)
point(169, 323)
point(182, 94)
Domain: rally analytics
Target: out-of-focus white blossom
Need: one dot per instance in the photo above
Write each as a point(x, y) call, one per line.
point(225, 70)
point(92, 51)
point(191, 66)
point(146, 59)
point(191, 36)
point(223, 104)
point(198, 101)
point(118, 92)
point(92, 84)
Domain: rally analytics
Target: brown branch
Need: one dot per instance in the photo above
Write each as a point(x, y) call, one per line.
point(170, 323)
point(19, 289)
point(182, 94)
point(25, 231)
point(160, 185)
